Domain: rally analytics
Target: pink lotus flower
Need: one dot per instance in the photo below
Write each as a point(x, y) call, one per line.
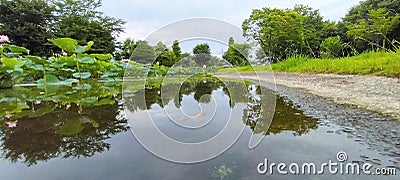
point(8, 116)
point(4, 39)
point(68, 106)
point(11, 124)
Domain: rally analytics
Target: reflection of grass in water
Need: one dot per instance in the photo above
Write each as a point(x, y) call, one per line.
point(222, 172)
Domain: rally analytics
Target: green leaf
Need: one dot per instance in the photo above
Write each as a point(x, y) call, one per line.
point(66, 44)
point(71, 127)
point(105, 102)
point(86, 59)
point(109, 74)
point(82, 49)
point(12, 62)
point(89, 45)
point(83, 87)
point(16, 49)
point(50, 80)
point(102, 57)
point(37, 60)
point(83, 75)
point(88, 100)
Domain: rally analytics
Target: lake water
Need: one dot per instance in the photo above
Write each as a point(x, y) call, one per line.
point(89, 133)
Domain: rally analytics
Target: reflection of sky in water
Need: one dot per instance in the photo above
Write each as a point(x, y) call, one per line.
point(292, 137)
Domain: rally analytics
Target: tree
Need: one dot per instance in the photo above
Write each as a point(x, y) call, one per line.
point(237, 54)
point(362, 11)
point(160, 48)
point(376, 28)
point(26, 24)
point(143, 53)
point(79, 19)
point(177, 50)
point(167, 58)
point(280, 33)
point(202, 54)
point(313, 29)
point(128, 46)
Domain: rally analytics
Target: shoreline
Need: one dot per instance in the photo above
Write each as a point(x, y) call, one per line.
point(374, 93)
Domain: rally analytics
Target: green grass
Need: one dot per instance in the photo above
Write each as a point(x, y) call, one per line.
point(374, 63)
point(246, 69)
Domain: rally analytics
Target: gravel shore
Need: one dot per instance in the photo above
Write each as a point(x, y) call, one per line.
point(379, 94)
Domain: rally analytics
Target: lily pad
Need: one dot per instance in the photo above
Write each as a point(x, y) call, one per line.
point(83, 87)
point(102, 57)
point(86, 59)
point(83, 75)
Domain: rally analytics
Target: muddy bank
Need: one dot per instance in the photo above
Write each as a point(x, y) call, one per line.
point(378, 94)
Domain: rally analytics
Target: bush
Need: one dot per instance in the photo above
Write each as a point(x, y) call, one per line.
point(331, 47)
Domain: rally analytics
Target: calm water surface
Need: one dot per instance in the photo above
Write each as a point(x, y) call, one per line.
point(74, 133)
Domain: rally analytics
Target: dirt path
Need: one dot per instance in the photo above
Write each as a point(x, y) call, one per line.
point(379, 94)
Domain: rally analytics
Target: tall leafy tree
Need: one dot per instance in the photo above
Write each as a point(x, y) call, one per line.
point(167, 58)
point(177, 50)
point(237, 54)
point(279, 32)
point(80, 19)
point(26, 23)
point(143, 53)
point(127, 48)
point(376, 28)
point(202, 54)
point(313, 29)
point(361, 13)
point(160, 48)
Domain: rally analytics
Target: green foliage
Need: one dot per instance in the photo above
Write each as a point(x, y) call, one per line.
point(376, 63)
point(177, 50)
point(202, 54)
point(359, 16)
point(80, 19)
point(167, 58)
point(279, 32)
point(375, 29)
point(27, 23)
point(143, 53)
point(66, 44)
point(160, 48)
point(16, 66)
point(331, 47)
point(237, 54)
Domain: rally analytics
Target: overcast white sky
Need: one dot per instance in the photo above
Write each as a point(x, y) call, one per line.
point(146, 16)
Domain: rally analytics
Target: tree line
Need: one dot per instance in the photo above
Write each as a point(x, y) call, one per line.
point(142, 52)
point(372, 25)
point(29, 23)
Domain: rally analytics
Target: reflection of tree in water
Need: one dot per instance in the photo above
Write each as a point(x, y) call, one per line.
point(161, 94)
point(34, 139)
point(286, 118)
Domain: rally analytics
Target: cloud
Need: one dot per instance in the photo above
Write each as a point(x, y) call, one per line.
point(144, 17)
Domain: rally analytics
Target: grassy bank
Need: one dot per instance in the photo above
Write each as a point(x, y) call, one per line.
point(375, 63)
